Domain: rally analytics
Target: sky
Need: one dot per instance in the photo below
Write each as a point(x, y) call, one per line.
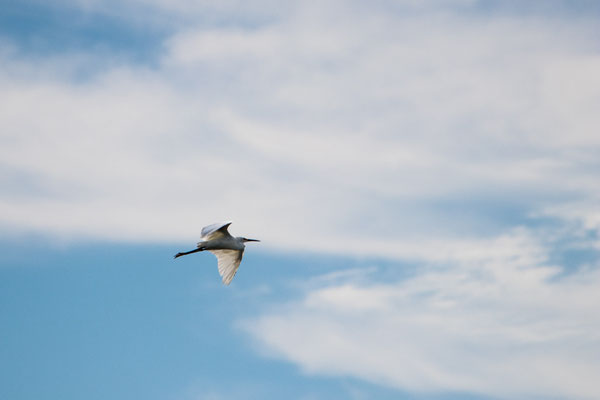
point(423, 176)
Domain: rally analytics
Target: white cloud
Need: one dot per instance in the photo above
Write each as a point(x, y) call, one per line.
point(495, 322)
point(345, 124)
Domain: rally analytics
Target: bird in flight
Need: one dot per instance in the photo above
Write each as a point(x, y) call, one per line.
point(228, 249)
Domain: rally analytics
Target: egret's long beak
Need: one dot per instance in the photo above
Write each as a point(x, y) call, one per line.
point(252, 240)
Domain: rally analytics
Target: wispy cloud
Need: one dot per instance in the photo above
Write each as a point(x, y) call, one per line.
point(496, 321)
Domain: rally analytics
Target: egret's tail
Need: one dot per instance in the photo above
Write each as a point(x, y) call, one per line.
point(188, 252)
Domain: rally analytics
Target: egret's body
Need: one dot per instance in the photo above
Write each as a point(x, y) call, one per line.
point(228, 249)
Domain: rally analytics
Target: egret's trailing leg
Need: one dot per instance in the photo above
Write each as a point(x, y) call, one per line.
point(189, 252)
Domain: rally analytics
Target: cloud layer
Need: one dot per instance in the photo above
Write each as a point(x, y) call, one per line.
point(323, 122)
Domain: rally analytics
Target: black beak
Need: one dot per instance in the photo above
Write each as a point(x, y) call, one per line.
point(252, 240)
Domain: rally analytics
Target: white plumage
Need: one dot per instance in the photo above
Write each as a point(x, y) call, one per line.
point(229, 262)
point(215, 231)
point(228, 249)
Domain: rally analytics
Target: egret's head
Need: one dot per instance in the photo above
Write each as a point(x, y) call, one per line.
point(250, 240)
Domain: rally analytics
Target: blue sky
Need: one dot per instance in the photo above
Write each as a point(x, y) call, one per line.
point(423, 176)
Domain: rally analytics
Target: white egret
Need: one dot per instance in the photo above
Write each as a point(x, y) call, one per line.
point(228, 249)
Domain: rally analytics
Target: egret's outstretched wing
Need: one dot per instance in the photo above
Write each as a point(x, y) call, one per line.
point(229, 262)
point(215, 231)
